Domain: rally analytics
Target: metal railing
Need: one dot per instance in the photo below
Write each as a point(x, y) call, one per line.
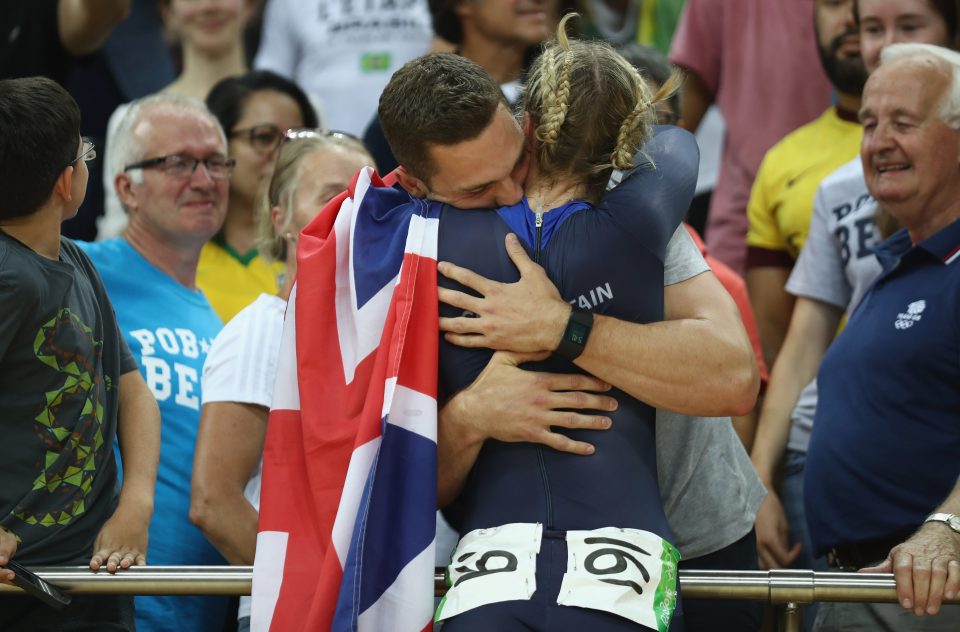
point(791, 588)
point(147, 580)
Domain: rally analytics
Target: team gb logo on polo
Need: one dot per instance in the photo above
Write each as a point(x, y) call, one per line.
point(912, 315)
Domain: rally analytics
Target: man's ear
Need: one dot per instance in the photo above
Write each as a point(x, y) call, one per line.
point(124, 187)
point(413, 185)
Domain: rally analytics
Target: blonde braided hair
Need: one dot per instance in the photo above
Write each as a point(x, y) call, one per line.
point(632, 132)
point(636, 128)
point(590, 108)
point(555, 83)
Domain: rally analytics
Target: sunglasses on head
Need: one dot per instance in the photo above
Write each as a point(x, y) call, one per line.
point(268, 137)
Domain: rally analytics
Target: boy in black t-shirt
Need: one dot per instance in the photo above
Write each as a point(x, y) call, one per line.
point(69, 385)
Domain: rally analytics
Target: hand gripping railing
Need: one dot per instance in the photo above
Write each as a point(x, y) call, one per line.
point(791, 588)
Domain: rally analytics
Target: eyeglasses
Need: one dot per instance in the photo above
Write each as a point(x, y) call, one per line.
point(179, 165)
point(87, 152)
point(263, 138)
point(266, 138)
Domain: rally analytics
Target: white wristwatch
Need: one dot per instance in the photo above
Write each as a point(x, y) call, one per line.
point(951, 520)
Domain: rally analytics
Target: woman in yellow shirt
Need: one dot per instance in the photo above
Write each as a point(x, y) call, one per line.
point(255, 110)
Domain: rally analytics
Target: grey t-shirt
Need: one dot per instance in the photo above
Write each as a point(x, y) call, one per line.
point(709, 488)
point(836, 265)
point(61, 357)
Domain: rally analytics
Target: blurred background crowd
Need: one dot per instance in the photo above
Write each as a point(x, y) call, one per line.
point(772, 89)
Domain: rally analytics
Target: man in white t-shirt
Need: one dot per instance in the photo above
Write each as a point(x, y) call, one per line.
point(500, 35)
point(343, 51)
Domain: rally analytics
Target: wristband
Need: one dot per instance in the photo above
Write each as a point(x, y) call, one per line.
point(575, 335)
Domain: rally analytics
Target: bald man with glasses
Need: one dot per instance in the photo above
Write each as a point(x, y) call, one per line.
point(172, 175)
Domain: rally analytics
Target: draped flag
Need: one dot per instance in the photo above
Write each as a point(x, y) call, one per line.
point(348, 501)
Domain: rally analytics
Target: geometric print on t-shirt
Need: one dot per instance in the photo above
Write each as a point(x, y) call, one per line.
point(70, 459)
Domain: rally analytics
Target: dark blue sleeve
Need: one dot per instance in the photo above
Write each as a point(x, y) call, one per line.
point(653, 197)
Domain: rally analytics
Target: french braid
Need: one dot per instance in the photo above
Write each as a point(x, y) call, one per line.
point(591, 111)
point(556, 95)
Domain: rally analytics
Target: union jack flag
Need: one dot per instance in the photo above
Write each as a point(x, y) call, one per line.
point(348, 503)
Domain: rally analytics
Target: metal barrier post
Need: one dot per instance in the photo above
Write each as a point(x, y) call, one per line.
point(791, 619)
point(792, 586)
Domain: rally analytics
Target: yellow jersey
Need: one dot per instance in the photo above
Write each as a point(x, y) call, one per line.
point(232, 281)
point(781, 200)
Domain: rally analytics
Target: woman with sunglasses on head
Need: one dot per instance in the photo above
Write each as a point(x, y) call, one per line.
point(254, 109)
point(311, 168)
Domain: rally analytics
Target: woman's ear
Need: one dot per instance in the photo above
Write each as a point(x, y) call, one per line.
point(276, 218)
point(529, 127)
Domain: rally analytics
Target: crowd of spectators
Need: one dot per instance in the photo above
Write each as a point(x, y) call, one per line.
point(143, 281)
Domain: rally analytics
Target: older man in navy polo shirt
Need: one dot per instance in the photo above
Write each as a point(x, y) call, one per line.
point(885, 450)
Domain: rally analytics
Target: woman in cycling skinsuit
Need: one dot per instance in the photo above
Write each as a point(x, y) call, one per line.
point(605, 258)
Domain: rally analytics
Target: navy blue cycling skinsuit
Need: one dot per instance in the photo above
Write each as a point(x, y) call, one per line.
point(607, 259)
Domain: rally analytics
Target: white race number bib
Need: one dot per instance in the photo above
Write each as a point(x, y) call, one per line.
point(490, 566)
point(628, 572)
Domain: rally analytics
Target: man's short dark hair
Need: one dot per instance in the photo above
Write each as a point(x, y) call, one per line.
point(436, 99)
point(39, 137)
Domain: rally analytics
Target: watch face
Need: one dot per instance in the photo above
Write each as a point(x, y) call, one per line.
point(954, 522)
point(578, 333)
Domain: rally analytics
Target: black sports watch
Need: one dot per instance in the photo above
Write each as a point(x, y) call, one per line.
point(576, 334)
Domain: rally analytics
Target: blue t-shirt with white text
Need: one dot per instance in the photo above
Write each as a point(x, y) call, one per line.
point(169, 329)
